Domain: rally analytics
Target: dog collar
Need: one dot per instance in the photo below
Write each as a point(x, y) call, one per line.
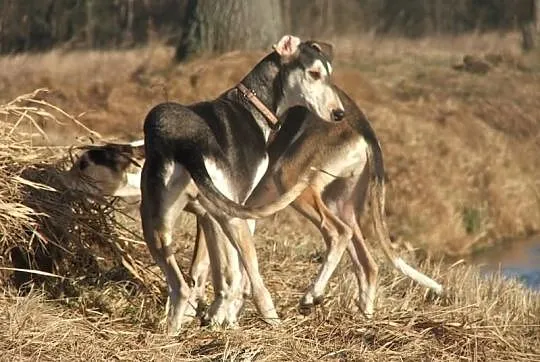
point(271, 118)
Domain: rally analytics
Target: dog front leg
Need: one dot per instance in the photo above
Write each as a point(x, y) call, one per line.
point(226, 276)
point(337, 236)
point(239, 234)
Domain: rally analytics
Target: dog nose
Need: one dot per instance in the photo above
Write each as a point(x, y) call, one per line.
point(338, 114)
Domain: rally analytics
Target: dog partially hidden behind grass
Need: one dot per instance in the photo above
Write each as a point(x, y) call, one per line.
point(210, 155)
point(350, 168)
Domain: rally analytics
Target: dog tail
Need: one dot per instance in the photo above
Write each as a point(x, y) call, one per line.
point(214, 201)
point(377, 199)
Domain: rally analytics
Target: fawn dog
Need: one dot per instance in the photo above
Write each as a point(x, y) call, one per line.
point(348, 158)
point(334, 204)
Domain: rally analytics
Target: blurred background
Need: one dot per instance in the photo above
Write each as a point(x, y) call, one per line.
point(452, 89)
point(34, 25)
point(451, 86)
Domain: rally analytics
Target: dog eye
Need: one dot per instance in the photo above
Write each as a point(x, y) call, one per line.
point(315, 74)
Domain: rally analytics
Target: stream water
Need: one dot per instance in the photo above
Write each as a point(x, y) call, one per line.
point(517, 259)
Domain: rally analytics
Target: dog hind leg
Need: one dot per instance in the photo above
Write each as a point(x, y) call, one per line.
point(368, 288)
point(226, 276)
point(337, 236)
point(200, 266)
point(161, 204)
point(366, 269)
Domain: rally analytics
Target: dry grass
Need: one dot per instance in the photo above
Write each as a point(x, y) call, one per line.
point(461, 148)
point(45, 228)
point(110, 316)
point(463, 168)
point(480, 320)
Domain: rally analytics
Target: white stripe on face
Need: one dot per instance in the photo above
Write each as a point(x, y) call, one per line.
point(329, 67)
point(319, 66)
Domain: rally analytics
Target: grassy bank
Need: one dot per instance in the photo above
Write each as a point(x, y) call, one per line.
point(461, 148)
point(463, 169)
point(481, 320)
point(102, 312)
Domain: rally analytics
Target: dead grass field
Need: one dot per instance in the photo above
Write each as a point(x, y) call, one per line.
point(461, 149)
point(105, 314)
point(463, 170)
point(481, 321)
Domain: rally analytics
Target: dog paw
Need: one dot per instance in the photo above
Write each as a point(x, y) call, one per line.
point(305, 309)
point(218, 322)
point(273, 321)
point(223, 313)
point(309, 300)
point(318, 300)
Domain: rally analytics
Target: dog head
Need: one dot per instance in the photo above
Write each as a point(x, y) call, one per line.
point(108, 170)
point(306, 78)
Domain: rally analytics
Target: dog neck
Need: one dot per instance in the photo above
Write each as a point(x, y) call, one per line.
point(264, 82)
point(271, 118)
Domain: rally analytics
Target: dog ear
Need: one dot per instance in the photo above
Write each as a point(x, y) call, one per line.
point(326, 48)
point(287, 47)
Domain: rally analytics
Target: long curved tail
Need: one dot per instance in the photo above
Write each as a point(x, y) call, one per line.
point(215, 202)
point(377, 198)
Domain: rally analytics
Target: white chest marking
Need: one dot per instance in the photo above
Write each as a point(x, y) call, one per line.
point(259, 173)
point(220, 179)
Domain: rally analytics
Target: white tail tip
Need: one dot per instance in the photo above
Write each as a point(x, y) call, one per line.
point(417, 276)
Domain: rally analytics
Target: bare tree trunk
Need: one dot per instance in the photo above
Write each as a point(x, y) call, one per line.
point(526, 17)
point(90, 23)
point(218, 26)
point(129, 30)
point(286, 15)
point(527, 34)
point(537, 15)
